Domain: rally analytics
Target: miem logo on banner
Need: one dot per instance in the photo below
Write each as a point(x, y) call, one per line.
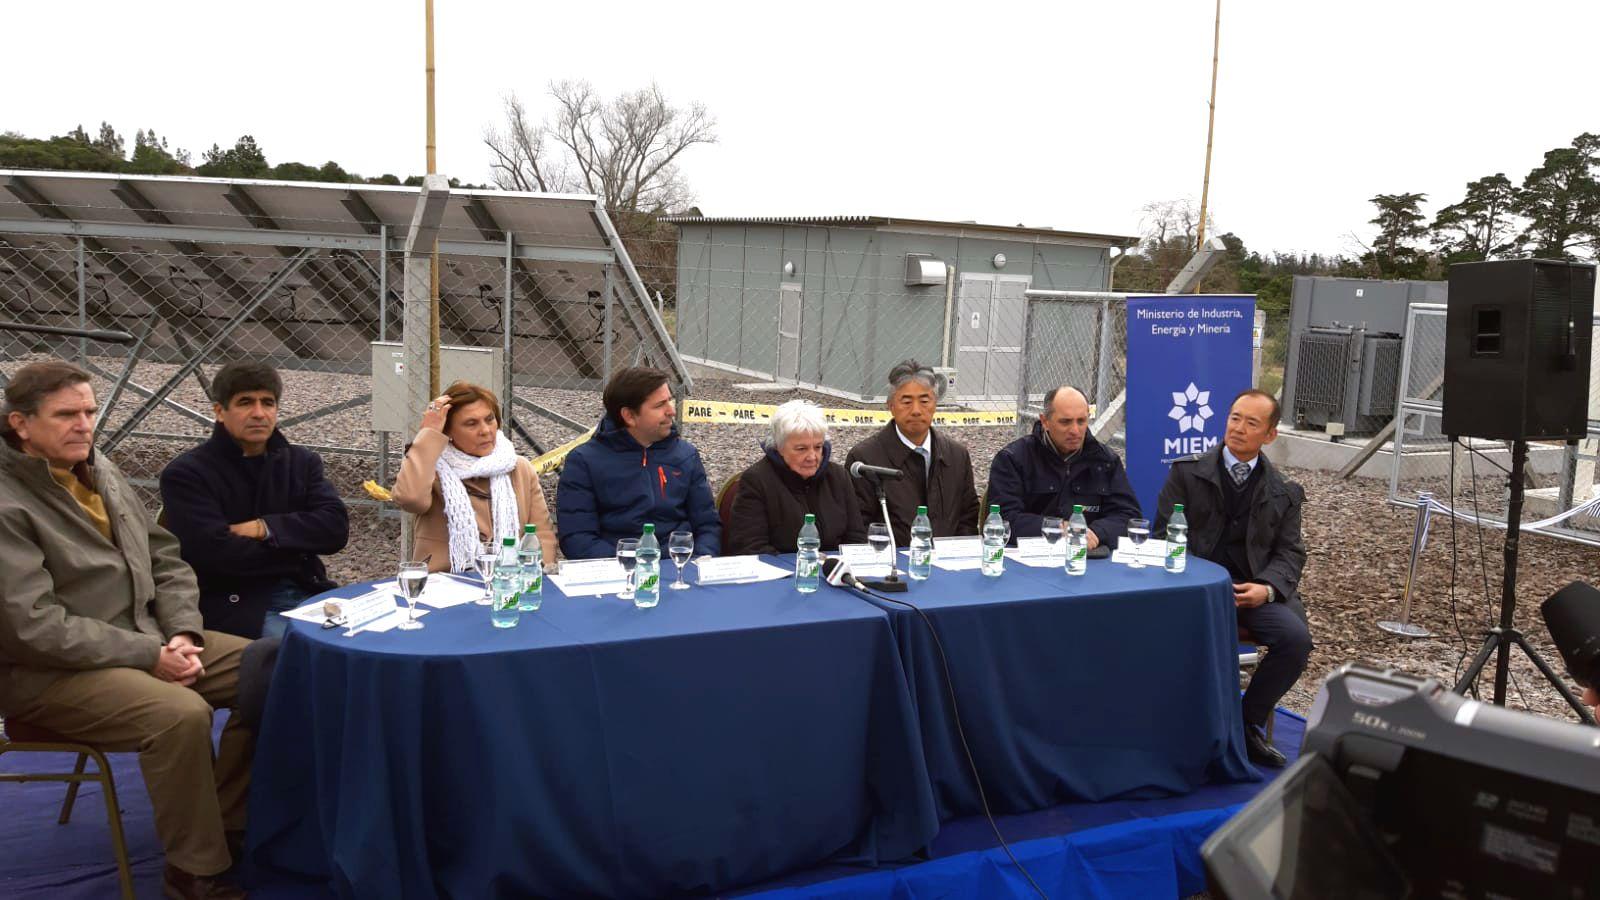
point(1188, 357)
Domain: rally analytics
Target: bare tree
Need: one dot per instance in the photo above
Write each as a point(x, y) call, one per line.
point(624, 150)
point(521, 157)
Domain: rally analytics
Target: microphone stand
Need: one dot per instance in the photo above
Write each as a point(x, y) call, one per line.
point(891, 584)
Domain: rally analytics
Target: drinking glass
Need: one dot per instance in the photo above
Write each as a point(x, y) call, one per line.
point(1138, 531)
point(1050, 527)
point(485, 560)
point(413, 576)
point(627, 554)
point(878, 537)
point(680, 544)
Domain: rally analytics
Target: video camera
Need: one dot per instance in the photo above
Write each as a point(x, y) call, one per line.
point(1404, 789)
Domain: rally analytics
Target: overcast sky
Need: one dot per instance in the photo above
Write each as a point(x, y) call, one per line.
point(1066, 114)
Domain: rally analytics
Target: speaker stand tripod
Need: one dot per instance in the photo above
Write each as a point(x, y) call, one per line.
point(1502, 637)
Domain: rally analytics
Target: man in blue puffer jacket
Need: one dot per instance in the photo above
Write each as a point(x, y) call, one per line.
point(635, 469)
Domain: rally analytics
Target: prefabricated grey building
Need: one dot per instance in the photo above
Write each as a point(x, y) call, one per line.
point(831, 303)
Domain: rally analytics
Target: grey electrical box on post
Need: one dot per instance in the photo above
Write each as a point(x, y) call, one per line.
point(479, 365)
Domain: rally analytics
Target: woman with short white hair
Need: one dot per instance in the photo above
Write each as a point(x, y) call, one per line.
point(794, 477)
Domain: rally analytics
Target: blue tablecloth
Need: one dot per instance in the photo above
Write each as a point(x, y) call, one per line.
point(1118, 683)
point(726, 736)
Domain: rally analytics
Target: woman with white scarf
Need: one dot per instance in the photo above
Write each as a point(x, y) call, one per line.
point(465, 483)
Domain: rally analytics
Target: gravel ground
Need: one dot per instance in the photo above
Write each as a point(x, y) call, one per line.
point(1358, 543)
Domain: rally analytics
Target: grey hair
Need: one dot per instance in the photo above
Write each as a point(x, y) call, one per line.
point(910, 370)
point(797, 417)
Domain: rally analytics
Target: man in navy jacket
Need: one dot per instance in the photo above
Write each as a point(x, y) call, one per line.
point(635, 469)
point(1059, 465)
point(251, 511)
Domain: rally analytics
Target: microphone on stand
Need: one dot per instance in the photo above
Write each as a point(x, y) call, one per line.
point(860, 469)
point(877, 475)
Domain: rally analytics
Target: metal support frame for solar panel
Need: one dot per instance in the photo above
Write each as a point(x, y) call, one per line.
point(214, 234)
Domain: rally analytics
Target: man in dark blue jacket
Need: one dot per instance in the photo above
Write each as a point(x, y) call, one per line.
point(1059, 465)
point(252, 512)
point(635, 469)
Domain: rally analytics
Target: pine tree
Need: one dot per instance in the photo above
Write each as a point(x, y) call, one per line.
point(1561, 201)
point(1394, 252)
point(1481, 225)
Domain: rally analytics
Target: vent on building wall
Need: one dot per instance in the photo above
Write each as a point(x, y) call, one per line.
point(923, 270)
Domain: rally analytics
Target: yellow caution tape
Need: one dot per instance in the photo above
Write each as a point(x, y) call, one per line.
point(725, 413)
point(552, 461)
point(722, 412)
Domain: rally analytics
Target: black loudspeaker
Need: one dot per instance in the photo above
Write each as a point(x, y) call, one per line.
point(1516, 351)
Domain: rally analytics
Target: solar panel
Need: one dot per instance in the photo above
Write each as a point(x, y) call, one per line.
point(179, 259)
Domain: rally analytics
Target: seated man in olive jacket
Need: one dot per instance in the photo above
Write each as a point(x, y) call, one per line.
point(1058, 466)
point(100, 632)
point(937, 469)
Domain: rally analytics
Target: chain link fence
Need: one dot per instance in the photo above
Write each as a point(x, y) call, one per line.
point(542, 326)
point(759, 317)
point(1473, 470)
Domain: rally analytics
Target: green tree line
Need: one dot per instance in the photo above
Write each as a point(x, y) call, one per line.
point(107, 151)
point(1552, 213)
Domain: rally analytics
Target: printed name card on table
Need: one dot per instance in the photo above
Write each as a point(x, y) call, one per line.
point(1038, 553)
point(367, 608)
point(957, 554)
point(736, 570)
point(958, 547)
point(1153, 553)
point(590, 576)
point(590, 571)
point(864, 561)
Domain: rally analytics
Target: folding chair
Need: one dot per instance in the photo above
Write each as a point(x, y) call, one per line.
point(1250, 655)
point(20, 737)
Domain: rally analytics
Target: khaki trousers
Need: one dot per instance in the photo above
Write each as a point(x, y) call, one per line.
point(196, 798)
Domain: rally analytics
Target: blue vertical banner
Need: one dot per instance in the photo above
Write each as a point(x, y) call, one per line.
point(1188, 357)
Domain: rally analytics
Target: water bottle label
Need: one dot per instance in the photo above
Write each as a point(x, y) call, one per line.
point(536, 582)
point(1175, 552)
point(1081, 553)
point(649, 583)
point(508, 600)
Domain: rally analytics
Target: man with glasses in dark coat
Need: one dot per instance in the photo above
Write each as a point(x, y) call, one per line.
point(1245, 517)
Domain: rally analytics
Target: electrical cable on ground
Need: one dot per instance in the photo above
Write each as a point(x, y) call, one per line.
point(955, 713)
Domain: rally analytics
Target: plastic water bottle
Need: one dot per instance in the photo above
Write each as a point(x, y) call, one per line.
point(1177, 540)
point(530, 558)
point(994, 543)
point(505, 583)
point(647, 571)
point(808, 557)
point(921, 546)
point(1077, 542)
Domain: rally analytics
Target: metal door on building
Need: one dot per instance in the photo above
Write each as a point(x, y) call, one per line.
point(790, 301)
point(992, 319)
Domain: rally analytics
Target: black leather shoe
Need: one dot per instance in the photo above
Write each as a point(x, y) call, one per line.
point(177, 884)
point(1261, 751)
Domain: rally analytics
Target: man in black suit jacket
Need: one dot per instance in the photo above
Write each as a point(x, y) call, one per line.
point(937, 469)
point(1245, 517)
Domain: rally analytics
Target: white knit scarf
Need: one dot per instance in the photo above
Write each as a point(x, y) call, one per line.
point(452, 467)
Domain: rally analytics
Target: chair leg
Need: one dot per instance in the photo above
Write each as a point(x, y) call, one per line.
point(119, 842)
point(72, 791)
